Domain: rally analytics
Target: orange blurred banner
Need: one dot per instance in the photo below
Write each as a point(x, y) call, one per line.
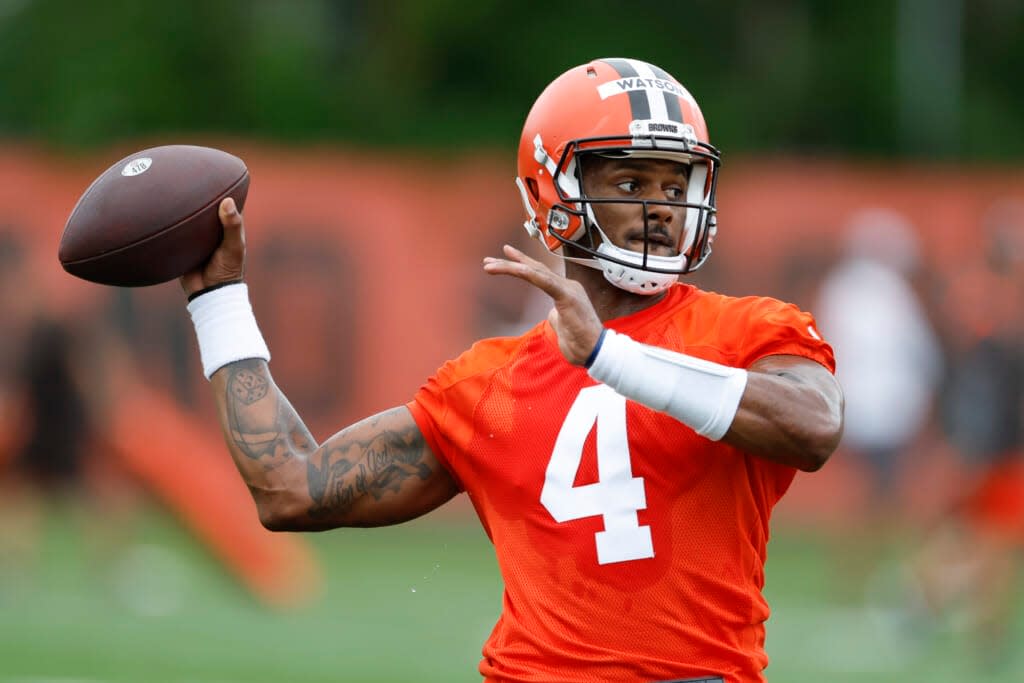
point(365, 267)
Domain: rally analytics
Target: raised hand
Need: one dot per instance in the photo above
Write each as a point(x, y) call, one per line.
point(573, 316)
point(227, 263)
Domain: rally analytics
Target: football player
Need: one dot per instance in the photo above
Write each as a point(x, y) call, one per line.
point(624, 455)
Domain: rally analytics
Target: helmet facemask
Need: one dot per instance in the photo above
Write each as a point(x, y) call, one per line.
point(638, 272)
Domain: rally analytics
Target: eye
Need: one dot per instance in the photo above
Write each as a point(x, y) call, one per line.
point(674, 193)
point(628, 186)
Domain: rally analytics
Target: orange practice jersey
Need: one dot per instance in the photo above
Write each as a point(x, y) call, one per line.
point(631, 548)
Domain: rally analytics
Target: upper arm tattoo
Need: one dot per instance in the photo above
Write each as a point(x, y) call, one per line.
point(351, 465)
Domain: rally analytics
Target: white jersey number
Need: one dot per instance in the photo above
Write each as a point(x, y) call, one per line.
point(617, 494)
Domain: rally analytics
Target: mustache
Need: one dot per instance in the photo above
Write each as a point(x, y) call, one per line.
point(655, 233)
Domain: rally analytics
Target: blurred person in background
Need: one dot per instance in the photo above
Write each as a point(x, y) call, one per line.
point(890, 363)
point(624, 455)
point(51, 405)
point(70, 454)
point(966, 574)
point(887, 352)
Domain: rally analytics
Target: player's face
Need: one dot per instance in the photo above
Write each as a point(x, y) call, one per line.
point(636, 179)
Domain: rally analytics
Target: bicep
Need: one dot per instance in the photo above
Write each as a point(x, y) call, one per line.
point(376, 472)
point(805, 373)
point(791, 412)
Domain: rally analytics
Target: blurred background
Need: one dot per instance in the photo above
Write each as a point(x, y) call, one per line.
point(873, 174)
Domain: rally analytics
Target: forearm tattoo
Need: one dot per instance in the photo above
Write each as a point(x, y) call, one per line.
point(269, 441)
point(341, 473)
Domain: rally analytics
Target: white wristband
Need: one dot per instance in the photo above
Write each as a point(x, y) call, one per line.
point(226, 328)
point(698, 393)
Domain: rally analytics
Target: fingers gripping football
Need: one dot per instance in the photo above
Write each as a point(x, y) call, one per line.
point(572, 317)
point(227, 263)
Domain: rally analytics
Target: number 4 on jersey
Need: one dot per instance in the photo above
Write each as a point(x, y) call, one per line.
point(617, 494)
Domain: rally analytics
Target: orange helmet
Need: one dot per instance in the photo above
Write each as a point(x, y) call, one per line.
point(620, 108)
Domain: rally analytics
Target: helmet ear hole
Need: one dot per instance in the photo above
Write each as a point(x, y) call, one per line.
point(533, 188)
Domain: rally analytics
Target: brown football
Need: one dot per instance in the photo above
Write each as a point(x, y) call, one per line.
point(152, 216)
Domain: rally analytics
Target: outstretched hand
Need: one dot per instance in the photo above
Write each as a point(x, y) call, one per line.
point(227, 263)
point(573, 317)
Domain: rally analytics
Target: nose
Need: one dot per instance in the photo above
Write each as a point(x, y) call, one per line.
point(660, 213)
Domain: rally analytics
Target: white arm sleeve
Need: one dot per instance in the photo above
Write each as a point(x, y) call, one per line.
point(700, 394)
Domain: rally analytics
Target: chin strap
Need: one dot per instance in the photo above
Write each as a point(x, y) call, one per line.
point(628, 278)
point(633, 278)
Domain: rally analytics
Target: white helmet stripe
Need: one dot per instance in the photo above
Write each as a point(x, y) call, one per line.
point(655, 98)
point(653, 93)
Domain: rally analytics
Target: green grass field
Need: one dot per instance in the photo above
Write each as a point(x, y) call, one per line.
point(414, 602)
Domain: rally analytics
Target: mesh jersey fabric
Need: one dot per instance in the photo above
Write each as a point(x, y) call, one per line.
point(494, 417)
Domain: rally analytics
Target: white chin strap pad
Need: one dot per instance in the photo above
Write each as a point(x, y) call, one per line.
point(635, 279)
